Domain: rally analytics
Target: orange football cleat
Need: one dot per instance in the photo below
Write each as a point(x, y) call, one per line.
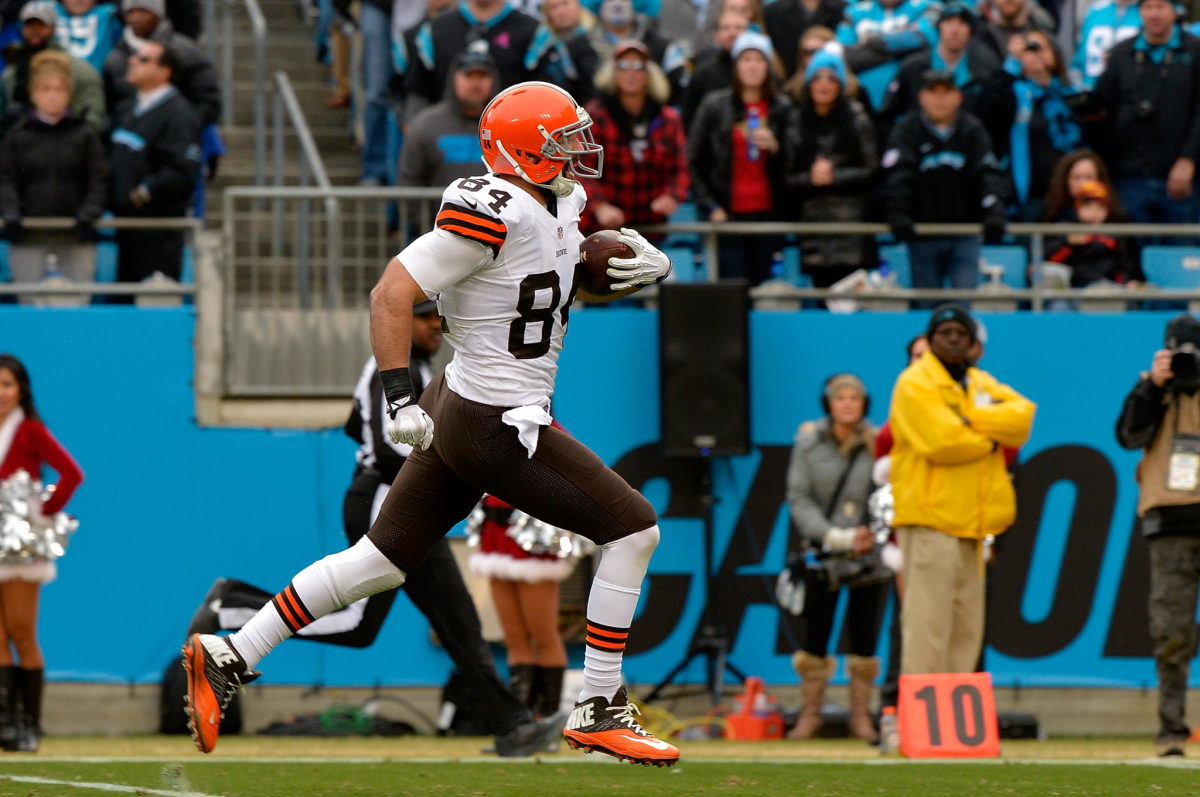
point(611, 727)
point(215, 672)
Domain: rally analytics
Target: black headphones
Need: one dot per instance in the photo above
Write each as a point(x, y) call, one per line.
point(825, 398)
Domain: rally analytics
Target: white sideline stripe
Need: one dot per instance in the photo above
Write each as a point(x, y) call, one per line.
point(1167, 763)
point(117, 787)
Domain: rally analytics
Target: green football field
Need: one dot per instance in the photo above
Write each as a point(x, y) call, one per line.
point(263, 767)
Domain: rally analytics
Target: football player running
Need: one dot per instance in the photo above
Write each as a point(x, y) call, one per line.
point(500, 262)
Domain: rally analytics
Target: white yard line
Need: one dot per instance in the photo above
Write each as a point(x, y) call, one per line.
point(1169, 763)
point(111, 787)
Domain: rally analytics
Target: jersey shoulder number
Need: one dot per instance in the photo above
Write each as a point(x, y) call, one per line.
point(474, 208)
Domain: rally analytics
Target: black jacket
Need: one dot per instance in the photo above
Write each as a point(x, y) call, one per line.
point(931, 179)
point(508, 37)
point(52, 170)
point(846, 137)
point(160, 149)
point(197, 79)
point(1153, 110)
point(788, 19)
point(901, 96)
point(1141, 416)
point(712, 70)
point(710, 147)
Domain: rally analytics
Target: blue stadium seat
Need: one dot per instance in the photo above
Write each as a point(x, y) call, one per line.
point(1172, 266)
point(1013, 257)
point(683, 260)
point(896, 257)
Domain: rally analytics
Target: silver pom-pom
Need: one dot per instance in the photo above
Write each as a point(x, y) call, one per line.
point(881, 507)
point(26, 535)
point(474, 529)
point(538, 537)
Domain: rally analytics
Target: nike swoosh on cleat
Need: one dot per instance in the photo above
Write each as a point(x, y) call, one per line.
point(656, 744)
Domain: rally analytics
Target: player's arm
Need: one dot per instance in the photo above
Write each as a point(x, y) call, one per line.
point(392, 302)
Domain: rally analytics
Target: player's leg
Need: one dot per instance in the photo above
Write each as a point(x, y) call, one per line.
point(565, 484)
point(425, 501)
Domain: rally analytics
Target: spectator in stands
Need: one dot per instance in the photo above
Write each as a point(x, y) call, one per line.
point(1070, 173)
point(971, 62)
point(645, 146)
point(1160, 417)
point(1030, 120)
point(812, 42)
point(834, 158)
point(753, 10)
point(939, 167)
point(712, 68)
point(1106, 23)
point(787, 20)
point(562, 20)
point(951, 489)
point(155, 162)
point(25, 444)
point(438, 41)
point(185, 17)
point(828, 482)
point(89, 30)
point(404, 49)
point(375, 31)
point(879, 34)
point(735, 153)
point(1093, 258)
point(442, 141)
point(194, 76)
point(52, 164)
point(618, 22)
point(38, 20)
point(1006, 20)
point(1151, 92)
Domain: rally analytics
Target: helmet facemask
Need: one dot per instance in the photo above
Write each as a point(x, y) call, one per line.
point(558, 147)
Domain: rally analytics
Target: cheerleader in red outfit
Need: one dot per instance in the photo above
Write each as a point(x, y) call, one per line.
point(525, 589)
point(25, 444)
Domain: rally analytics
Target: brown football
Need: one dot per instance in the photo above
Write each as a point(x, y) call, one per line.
point(594, 254)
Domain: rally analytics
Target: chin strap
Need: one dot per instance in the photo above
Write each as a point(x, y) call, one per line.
point(561, 186)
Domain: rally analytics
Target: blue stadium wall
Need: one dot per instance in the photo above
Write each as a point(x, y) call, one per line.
point(168, 506)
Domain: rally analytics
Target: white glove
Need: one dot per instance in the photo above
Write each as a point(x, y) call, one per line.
point(839, 540)
point(647, 266)
point(409, 424)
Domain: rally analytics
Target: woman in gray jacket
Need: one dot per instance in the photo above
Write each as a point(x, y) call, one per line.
point(829, 480)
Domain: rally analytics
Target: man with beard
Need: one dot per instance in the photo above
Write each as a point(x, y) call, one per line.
point(442, 141)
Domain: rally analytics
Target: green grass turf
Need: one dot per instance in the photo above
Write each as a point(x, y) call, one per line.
point(751, 777)
point(347, 767)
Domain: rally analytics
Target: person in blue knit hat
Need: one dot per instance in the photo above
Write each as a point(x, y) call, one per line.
point(834, 160)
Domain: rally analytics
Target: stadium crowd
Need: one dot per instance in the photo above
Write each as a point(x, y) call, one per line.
point(103, 108)
point(823, 110)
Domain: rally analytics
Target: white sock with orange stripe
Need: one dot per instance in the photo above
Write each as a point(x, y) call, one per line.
point(611, 605)
point(324, 586)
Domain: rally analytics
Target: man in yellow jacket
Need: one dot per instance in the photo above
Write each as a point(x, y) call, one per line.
point(950, 422)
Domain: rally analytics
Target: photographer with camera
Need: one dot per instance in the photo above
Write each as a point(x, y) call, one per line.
point(1162, 416)
point(1150, 92)
point(828, 482)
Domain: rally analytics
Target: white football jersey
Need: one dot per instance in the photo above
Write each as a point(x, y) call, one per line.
point(502, 268)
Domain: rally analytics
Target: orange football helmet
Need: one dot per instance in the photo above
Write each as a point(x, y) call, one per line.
point(536, 131)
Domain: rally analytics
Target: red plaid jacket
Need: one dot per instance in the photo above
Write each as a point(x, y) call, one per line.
point(631, 183)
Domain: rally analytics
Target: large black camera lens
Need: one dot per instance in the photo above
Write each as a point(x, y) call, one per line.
point(1186, 367)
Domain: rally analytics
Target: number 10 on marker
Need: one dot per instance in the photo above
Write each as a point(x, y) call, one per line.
point(948, 715)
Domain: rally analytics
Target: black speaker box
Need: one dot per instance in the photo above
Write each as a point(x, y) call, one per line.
point(704, 371)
